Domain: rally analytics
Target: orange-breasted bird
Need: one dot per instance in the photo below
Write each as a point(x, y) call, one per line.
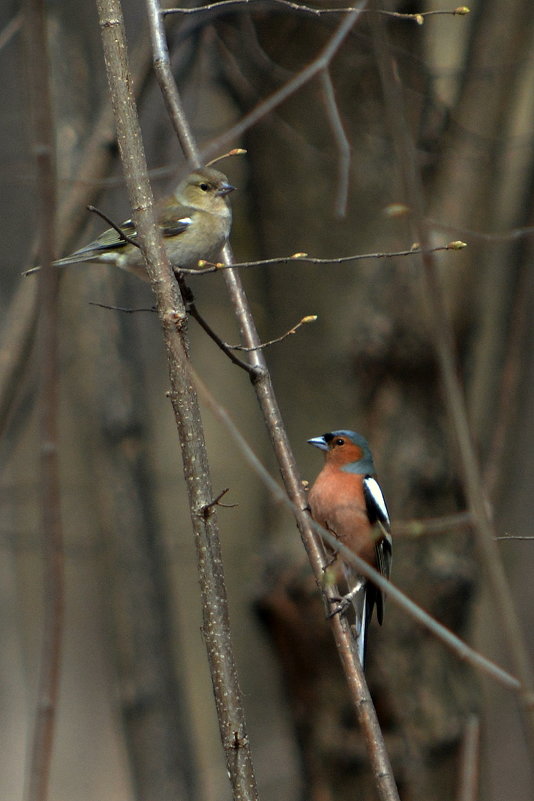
point(194, 221)
point(346, 499)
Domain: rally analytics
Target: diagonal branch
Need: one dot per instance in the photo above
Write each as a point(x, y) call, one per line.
point(458, 646)
point(358, 689)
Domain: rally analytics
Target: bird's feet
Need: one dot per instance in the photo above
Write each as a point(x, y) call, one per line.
point(344, 602)
point(341, 608)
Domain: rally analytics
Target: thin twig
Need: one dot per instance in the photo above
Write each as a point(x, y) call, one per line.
point(217, 502)
point(216, 627)
point(117, 228)
point(511, 235)
point(240, 5)
point(12, 27)
point(510, 377)
point(469, 761)
point(191, 309)
point(124, 309)
point(445, 349)
point(41, 750)
point(432, 525)
point(340, 138)
point(227, 349)
point(303, 257)
point(310, 318)
point(171, 97)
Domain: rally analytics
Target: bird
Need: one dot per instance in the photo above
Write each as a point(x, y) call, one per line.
point(346, 500)
point(194, 221)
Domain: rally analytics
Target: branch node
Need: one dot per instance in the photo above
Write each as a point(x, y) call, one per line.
point(237, 741)
point(174, 317)
point(208, 508)
point(257, 374)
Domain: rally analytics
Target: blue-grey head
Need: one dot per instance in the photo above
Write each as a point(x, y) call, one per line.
point(347, 449)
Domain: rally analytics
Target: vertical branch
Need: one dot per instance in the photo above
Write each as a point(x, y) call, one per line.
point(43, 145)
point(216, 626)
point(469, 761)
point(359, 691)
point(171, 97)
point(454, 397)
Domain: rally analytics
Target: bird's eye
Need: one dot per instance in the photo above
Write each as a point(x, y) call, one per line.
point(204, 187)
point(340, 441)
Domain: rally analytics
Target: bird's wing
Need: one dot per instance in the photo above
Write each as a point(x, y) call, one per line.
point(108, 240)
point(378, 516)
point(173, 218)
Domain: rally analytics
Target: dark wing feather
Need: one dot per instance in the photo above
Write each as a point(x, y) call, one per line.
point(378, 516)
point(108, 240)
point(173, 218)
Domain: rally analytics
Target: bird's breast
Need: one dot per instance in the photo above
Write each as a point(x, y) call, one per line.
point(337, 503)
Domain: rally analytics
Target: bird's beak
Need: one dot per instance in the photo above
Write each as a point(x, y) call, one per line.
point(319, 442)
point(225, 189)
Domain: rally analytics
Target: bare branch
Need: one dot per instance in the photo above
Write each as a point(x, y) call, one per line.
point(512, 235)
point(310, 318)
point(432, 525)
point(303, 257)
point(240, 5)
point(227, 349)
point(162, 68)
point(217, 502)
point(12, 28)
point(342, 143)
point(470, 761)
point(216, 627)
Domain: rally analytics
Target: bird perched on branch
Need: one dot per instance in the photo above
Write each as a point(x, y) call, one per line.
point(195, 223)
point(346, 499)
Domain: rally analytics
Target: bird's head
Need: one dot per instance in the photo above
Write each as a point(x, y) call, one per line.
point(347, 450)
point(206, 189)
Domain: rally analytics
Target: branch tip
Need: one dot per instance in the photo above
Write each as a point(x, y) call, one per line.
point(236, 151)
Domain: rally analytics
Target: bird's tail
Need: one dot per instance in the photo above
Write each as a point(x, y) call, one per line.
point(72, 259)
point(361, 599)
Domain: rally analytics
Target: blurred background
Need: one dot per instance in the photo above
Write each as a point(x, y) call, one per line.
point(136, 717)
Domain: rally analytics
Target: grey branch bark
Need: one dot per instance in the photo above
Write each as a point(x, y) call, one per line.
point(216, 627)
